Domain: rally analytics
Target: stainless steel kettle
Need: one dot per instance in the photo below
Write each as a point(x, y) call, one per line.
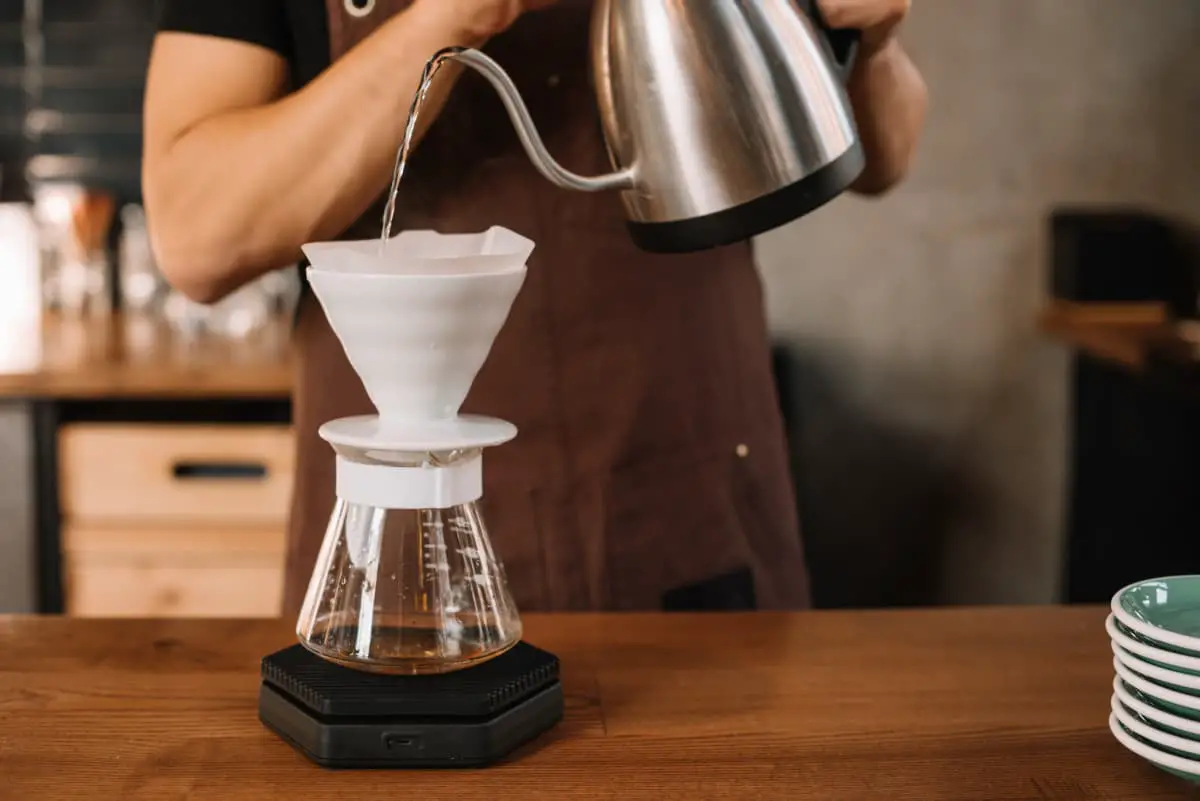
point(723, 118)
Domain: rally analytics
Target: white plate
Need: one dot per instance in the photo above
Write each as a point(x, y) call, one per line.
point(1149, 688)
point(1184, 681)
point(1159, 716)
point(1156, 736)
point(1178, 765)
point(1147, 651)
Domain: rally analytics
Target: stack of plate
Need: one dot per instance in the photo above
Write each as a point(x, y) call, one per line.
point(1155, 632)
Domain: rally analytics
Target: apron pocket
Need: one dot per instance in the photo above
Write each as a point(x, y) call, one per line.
point(670, 529)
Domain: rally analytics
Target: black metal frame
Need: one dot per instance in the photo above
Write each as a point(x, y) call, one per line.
point(47, 519)
point(1132, 498)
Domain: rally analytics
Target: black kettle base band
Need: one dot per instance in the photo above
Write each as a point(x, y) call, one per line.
point(755, 217)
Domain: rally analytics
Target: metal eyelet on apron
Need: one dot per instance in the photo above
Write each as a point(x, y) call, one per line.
point(359, 8)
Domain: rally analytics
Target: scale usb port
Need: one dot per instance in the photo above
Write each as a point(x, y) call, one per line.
point(401, 742)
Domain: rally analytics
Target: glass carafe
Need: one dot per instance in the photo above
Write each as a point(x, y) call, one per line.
point(408, 591)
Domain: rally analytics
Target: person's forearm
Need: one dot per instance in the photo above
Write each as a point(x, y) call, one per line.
point(890, 100)
point(236, 195)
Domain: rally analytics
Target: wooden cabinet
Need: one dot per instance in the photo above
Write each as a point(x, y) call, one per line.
point(174, 520)
point(159, 572)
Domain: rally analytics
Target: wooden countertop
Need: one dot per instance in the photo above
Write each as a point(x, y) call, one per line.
point(127, 357)
point(992, 704)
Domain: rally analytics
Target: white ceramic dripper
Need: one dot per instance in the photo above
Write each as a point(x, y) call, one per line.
point(418, 320)
point(406, 580)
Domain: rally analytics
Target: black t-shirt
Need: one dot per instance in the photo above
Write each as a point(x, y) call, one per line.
point(298, 30)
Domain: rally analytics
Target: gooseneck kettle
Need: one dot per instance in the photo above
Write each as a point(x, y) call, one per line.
point(723, 118)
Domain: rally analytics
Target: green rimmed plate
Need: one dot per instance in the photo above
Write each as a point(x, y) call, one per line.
point(1165, 676)
point(1150, 714)
point(1150, 651)
point(1182, 704)
point(1163, 610)
point(1180, 766)
point(1152, 735)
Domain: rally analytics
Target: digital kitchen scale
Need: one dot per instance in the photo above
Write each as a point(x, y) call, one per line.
point(344, 718)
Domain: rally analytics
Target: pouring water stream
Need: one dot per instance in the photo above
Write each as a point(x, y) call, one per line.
point(427, 75)
point(519, 114)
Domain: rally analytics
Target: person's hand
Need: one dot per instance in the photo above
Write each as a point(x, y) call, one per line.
point(486, 18)
point(877, 19)
point(885, 87)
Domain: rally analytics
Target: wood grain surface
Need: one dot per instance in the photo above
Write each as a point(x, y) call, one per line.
point(989, 704)
point(133, 357)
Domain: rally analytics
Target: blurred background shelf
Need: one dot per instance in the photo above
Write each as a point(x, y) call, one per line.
point(1117, 332)
point(188, 435)
point(127, 356)
point(1142, 337)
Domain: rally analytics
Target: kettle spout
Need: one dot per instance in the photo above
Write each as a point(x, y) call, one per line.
point(518, 112)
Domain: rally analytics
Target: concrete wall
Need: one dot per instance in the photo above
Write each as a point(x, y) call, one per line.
point(933, 414)
point(17, 560)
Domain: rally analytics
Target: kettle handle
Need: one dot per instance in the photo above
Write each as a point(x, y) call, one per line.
point(843, 42)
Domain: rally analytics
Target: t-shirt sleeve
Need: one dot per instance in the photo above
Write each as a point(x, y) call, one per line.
point(260, 22)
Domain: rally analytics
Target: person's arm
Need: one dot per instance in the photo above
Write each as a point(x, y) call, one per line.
point(236, 175)
point(888, 93)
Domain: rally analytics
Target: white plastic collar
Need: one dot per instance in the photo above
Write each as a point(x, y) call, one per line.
point(393, 487)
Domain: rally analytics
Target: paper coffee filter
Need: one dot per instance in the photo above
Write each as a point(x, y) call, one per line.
point(424, 253)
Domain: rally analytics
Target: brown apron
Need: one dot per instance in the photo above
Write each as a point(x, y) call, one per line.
point(651, 466)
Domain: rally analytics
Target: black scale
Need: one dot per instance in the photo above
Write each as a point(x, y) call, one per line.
point(343, 718)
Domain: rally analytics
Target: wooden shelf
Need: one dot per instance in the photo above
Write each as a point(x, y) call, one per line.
point(1124, 333)
point(132, 357)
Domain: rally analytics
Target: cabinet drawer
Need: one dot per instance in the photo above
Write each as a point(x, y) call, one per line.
point(177, 474)
point(163, 573)
point(147, 588)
